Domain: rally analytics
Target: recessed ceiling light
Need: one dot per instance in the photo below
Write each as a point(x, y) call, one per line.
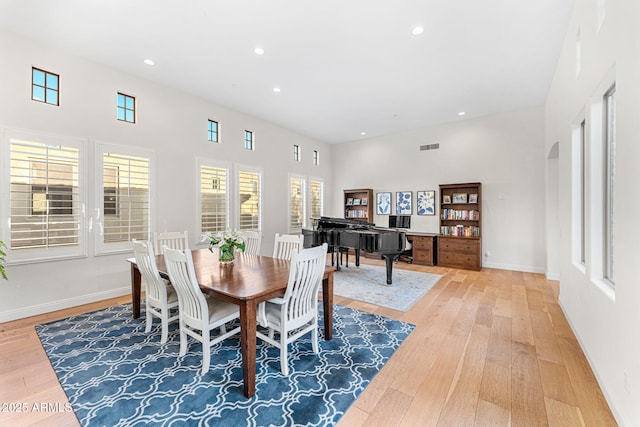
point(417, 30)
point(363, 133)
point(259, 51)
point(461, 113)
point(149, 61)
point(276, 89)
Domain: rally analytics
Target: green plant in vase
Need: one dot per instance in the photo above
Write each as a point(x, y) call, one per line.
point(226, 243)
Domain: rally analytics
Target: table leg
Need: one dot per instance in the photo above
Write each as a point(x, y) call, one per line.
point(136, 284)
point(327, 304)
point(248, 345)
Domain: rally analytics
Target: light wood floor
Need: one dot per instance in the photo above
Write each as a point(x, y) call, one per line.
point(490, 348)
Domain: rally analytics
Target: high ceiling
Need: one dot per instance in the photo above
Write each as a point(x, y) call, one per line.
point(344, 67)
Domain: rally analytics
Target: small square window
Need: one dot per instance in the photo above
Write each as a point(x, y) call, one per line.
point(296, 152)
point(316, 157)
point(248, 140)
point(45, 87)
point(212, 132)
point(126, 108)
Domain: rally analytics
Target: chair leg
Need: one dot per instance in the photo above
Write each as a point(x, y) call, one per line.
point(206, 352)
point(314, 338)
point(164, 321)
point(284, 365)
point(149, 319)
point(183, 340)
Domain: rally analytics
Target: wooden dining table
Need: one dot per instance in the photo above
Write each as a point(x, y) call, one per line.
point(250, 280)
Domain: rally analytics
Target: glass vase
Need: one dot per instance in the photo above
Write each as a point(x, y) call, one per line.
point(226, 256)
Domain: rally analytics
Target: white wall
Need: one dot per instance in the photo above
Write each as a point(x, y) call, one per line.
point(505, 152)
point(171, 123)
point(607, 326)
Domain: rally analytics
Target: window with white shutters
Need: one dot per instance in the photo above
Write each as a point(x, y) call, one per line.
point(297, 202)
point(46, 197)
point(125, 198)
point(250, 200)
point(316, 190)
point(214, 198)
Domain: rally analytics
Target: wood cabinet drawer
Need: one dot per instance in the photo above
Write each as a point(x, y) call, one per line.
point(459, 260)
point(465, 246)
point(423, 242)
point(423, 257)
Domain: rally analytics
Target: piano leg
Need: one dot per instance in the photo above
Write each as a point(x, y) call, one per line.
point(357, 257)
point(389, 261)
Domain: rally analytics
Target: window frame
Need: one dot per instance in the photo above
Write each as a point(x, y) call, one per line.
point(249, 143)
point(102, 148)
point(316, 158)
point(133, 110)
point(238, 169)
point(609, 157)
point(49, 253)
point(227, 166)
point(46, 87)
point(315, 180)
point(303, 215)
point(579, 192)
point(296, 152)
point(211, 132)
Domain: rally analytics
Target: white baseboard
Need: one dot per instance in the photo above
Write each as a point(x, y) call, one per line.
point(48, 307)
point(514, 267)
point(552, 276)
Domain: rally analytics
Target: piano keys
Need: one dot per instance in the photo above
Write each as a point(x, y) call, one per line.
point(347, 233)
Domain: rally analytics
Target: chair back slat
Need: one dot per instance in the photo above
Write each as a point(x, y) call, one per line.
point(171, 239)
point(287, 245)
point(252, 242)
point(305, 278)
point(191, 300)
point(156, 290)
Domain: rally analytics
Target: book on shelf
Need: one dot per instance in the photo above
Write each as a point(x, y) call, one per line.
point(464, 215)
point(460, 230)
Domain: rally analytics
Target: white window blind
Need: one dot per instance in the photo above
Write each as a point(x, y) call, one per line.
point(46, 199)
point(214, 199)
point(125, 197)
point(317, 194)
point(249, 189)
point(297, 202)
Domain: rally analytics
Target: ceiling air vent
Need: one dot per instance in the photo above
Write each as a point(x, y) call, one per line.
point(429, 147)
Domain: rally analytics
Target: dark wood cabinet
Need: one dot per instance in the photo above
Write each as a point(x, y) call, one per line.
point(423, 247)
point(358, 204)
point(460, 242)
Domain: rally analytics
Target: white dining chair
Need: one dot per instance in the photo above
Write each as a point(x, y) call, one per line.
point(172, 239)
point(161, 298)
point(252, 242)
point(296, 313)
point(286, 245)
point(199, 315)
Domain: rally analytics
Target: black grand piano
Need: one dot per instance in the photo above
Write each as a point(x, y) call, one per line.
point(340, 233)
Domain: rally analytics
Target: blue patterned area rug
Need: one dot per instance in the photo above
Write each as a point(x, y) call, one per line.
point(116, 375)
point(368, 283)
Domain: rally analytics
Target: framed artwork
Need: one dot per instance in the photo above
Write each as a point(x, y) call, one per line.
point(383, 203)
point(403, 203)
point(349, 201)
point(426, 202)
point(459, 197)
point(473, 198)
point(446, 199)
point(356, 202)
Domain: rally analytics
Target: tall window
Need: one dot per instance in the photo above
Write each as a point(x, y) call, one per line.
point(609, 184)
point(212, 133)
point(45, 197)
point(316, 157)
point(214, 198)
point(248, 140)
point(45, 86)
point(316, 190)
point(297, 202)
point(126, 198)
point(296, 152)
point(126, 108)
point(250, 199)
